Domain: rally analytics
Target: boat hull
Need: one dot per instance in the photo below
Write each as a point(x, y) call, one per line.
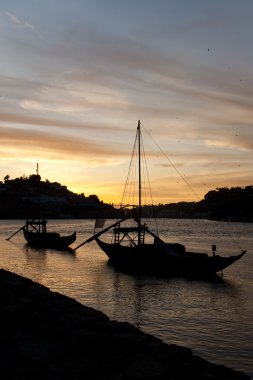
point(157, 260)
point(48, 239)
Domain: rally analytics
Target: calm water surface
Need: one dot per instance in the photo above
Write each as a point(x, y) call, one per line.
point(214, 319)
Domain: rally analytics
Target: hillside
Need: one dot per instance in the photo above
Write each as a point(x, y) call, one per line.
point(30, 197)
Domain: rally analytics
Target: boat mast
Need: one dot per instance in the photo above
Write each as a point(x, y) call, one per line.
point(139, 206)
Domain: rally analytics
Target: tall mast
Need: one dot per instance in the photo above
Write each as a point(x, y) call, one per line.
point(139, 152)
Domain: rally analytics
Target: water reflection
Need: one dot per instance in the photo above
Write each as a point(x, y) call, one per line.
point(128, 294)
point(139, 302)
point(44, 250)
point(214, 317)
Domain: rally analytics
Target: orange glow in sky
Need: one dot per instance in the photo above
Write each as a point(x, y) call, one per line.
point(76, 77)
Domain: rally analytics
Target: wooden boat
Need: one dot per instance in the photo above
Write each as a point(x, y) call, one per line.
point(36, 234)
point(163, 259)
point(130, 252)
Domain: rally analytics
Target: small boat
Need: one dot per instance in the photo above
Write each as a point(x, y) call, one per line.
point(36, 235)
point(130, 251)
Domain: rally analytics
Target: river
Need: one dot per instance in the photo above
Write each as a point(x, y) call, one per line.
point(214, 319)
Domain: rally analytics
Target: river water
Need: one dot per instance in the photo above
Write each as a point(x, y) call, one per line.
point(214, 319)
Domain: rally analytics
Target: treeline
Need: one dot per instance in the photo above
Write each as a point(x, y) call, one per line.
point(30, 197)
point(235, 204)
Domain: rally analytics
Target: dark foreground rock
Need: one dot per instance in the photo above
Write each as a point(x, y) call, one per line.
point(45, 335)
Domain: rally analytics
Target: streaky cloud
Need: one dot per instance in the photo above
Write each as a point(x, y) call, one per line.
point(17, 21)
point(60, 147)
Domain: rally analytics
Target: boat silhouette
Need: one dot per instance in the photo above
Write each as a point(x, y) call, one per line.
point(130, 251)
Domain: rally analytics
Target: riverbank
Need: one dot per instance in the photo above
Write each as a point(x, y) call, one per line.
point(46, 335)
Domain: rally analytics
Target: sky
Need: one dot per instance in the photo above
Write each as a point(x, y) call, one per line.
point(76, 76)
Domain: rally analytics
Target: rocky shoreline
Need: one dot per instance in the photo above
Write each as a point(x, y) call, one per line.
point(46, 335)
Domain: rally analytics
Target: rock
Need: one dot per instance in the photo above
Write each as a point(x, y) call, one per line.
point(40, 351)
point(143, 367)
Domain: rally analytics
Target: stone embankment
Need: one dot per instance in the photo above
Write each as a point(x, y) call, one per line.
point(45, 335)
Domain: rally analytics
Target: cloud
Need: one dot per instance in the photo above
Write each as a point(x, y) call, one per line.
point(77, 94)
point(244, 142)
point(25, 119)
point(56, 147)
point(16, 21)
point(13, 18)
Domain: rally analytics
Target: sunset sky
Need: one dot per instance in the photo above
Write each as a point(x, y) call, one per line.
point(76, 76)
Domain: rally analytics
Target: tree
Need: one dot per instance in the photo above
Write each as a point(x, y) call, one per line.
point(34, 178)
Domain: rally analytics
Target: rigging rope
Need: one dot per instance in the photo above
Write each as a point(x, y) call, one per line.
point(129, 196)
point(149, 186)
point(173, 165)
point(184, 179)
point(129, 173)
